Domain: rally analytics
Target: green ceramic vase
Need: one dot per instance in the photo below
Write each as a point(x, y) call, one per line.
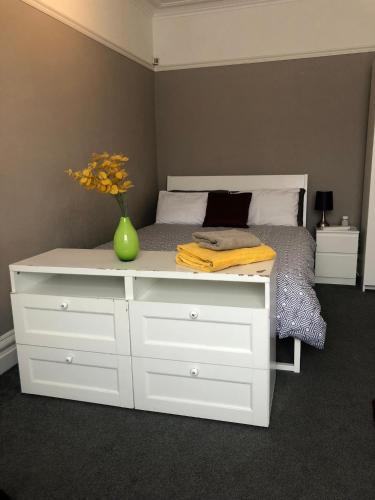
point(126, 242)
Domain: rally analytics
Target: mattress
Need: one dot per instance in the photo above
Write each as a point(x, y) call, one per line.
point(298, 311)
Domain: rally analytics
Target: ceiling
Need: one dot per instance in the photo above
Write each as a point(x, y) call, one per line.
point(161, 5)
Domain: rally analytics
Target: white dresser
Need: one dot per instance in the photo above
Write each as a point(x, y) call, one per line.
point(147, 334)
point(336, 256)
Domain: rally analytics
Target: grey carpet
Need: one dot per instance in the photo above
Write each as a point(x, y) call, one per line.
point(321, 443)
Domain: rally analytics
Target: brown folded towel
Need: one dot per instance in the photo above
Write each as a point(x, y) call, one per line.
point(228, 239)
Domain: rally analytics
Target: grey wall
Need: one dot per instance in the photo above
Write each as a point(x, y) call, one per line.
point(63, 96)
point(285, 117)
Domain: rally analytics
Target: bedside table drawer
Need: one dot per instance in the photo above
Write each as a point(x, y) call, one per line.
point(334, 265)
point(346, 242)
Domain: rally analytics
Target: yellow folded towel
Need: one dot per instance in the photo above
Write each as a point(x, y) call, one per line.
point(203, 259)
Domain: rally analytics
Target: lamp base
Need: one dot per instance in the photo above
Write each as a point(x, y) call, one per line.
point(322, 225)
point(323, 222)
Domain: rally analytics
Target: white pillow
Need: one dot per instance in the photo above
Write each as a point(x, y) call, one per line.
point(181, 208)
point(277, 207)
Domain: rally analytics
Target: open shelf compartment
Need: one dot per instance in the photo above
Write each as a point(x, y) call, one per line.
point(72, 285)
point(200, 292)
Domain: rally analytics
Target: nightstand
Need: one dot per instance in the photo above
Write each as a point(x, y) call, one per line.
point(336, 256)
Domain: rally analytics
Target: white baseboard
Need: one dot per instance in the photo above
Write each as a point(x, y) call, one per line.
point(8, 351)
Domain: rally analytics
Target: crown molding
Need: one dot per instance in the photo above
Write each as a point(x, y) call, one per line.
point(36, 4)
point(224, 5)
point(278, 57)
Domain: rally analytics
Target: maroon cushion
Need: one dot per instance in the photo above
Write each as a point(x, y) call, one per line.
point(227, 209)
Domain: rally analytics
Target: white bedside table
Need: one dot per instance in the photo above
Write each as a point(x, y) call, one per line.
point(336, 256)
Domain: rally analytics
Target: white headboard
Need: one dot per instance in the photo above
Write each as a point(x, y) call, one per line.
point(239, 183)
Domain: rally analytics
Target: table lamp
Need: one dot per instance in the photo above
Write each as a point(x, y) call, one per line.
point(323, 202)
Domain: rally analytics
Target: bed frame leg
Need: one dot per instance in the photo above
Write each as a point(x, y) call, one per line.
point(296, 365)
point(297, 356)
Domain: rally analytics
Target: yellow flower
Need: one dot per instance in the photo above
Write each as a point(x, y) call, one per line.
point(103, 173)
point(121, 158)
point(127, 185)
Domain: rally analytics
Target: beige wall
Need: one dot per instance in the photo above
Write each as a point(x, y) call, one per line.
point(285, 117)
point(63, 96)
point(124, 25)
point(252, 31)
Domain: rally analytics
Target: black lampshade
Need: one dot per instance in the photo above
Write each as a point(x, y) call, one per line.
point(324, 200)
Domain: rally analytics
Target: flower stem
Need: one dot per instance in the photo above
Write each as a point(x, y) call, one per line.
point(121, 200)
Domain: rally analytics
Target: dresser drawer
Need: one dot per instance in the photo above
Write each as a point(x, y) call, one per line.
point(227, 393)
point(347, 242)
point(333, 265)
point(98, 325)
point(222, 335)
point(83, 376)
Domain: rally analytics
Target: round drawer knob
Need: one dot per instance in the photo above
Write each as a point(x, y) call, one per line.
point(64, 306)
point(69, 359)
point(194, 372)
point(193, 314)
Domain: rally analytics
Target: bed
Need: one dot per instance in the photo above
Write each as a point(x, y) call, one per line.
point(298, 312)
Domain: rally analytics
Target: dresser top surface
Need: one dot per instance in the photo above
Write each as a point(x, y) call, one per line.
point(148, 263)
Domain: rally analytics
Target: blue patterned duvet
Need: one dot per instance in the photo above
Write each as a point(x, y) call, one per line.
point(297, 307)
